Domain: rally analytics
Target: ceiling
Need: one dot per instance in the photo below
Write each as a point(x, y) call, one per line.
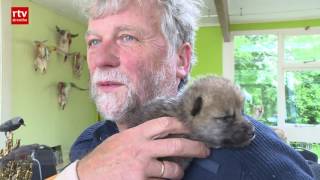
point(240, 11)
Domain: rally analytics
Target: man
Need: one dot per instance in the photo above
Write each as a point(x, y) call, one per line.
point(139, 50)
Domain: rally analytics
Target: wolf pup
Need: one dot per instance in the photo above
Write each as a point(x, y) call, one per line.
point(212, 107)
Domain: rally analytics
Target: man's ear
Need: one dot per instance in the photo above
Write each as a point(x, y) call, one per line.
point(184, 60)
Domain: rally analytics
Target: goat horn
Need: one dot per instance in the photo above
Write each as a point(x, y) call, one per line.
point(74, 35)
point(58, 29)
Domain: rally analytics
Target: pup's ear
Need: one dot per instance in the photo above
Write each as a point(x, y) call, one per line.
point(197, 106)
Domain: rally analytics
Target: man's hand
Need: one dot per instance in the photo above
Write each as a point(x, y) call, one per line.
point(132, 153)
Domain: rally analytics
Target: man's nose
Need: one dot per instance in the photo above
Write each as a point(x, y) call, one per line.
point(107, 55)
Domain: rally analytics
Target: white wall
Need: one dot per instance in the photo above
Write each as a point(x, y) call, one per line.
point(5, 63)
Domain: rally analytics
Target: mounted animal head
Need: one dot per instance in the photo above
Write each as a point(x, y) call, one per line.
point(77, 63)
point(64, 39)
point(63, 91)
point(42, 56)
point(41, 49)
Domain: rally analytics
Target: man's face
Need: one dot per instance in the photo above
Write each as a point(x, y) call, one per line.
point(128, 59)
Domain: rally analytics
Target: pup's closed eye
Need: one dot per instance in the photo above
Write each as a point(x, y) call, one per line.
point(226, 117)
point(197, 106)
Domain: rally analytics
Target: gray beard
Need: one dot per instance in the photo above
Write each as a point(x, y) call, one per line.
point(108, 104)
point(110, 110)
point(112, 107)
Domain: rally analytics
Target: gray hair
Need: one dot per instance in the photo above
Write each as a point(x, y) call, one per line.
point(178, 22)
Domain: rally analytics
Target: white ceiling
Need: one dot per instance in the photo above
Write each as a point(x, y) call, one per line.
point(240, 11)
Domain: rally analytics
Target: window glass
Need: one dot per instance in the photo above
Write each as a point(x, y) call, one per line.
point(256, 73)
point(302, 48)
point(302, 91)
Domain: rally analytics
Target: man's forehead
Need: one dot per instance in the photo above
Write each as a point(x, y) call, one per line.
point(123, 27)
point(91, 32)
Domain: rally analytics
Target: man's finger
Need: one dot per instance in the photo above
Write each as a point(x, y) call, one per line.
point(161, 127)
point(177, 147)
point(164, 170)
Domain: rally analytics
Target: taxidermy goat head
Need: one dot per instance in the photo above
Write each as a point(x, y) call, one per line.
point(64, 41)
point(42, 56)
point(63, 90)
point(77, 63)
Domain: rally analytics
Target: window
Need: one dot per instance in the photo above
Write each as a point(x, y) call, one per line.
point(279, 74)
point(256, 73)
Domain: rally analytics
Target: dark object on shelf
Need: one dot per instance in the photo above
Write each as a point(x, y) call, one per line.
point(41, 156)
point(11, 124)
point(58, 154)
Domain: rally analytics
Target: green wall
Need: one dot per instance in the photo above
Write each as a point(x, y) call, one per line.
point(34, 95)
point(275, 25)
point(209, 43)
point(209, 51)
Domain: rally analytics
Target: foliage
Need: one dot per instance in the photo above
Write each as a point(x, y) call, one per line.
point(302, 48)
point(256, 64)
point(303, 106)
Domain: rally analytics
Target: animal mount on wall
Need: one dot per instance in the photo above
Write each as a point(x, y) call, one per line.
point(77, 63)
point(64, 89)
point(64, 41)
point(42, 56)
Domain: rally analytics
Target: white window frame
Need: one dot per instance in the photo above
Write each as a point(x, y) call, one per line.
point(294, 132)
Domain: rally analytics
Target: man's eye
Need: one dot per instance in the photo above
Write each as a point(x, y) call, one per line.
point(93, 42)
point(127, 38)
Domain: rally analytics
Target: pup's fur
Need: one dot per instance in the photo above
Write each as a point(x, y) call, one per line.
point(211, 107)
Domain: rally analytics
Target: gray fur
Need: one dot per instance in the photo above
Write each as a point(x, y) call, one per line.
point(211, 107)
